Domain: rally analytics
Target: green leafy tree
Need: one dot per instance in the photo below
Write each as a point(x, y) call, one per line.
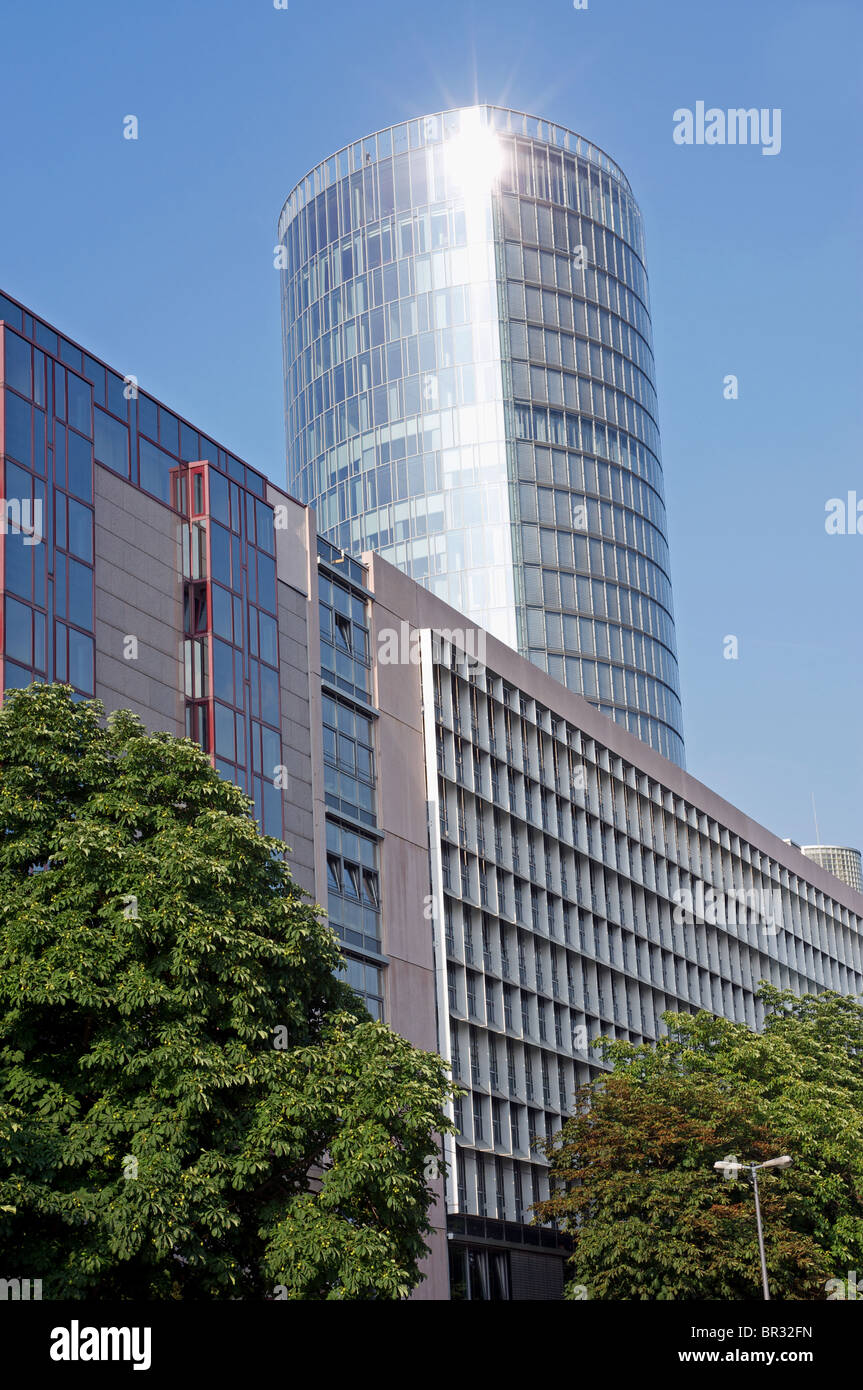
point(632, 1169)
point(192, 1103)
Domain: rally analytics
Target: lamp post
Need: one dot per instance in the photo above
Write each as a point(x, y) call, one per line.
point(730, 1166)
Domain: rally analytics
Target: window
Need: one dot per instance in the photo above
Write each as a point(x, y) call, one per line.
point(155, 468)
point(496, 1124)
point(367, 980)
point(352, 880)
point(17, 362)
point(81, 656)
point(80, 535)
point(19, 632)
point(353, 884)
point(79, 403)
point(349, 767)
point(342, 632)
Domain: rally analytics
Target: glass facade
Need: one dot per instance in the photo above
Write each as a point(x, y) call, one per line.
point(841, 860)
point(63, 411)
point(46, 451)
point(469, 391)
point(349, 772)
point(230, 634)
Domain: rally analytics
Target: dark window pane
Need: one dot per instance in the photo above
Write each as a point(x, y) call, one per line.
point(112, 442)
point(15, 677)
point(189, 447)
point(271, 750)
point(220, 553)
point(60, 672)
point(9, 311)
point(148, 420)
point(19, 634)
point(272, 810)
point(223, 671)
point(18, 363)
point(269, 644)
point(266, 582)
point(224, 731)
point(45, 337)
point(117, 400)
point(19, 566)
point(81, 661)
point(18, 428)
point(219, 497)
point(269, 695)
point(266, 531)
point(79, 404)
point(80, 594)
point(169, 431)
point(80, 531)
point(39, 641)
point(80, 466)
point(70, 354)
point(155, 469)
point(222, 612)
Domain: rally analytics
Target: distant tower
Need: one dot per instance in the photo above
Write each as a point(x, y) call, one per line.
point(840, 860)
point(469, 391)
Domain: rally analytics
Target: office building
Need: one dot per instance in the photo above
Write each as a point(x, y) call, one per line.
point(840, 860)
point(511, 873)
point(470, 393)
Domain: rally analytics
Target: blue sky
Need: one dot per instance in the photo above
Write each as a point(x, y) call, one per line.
point(157, 254)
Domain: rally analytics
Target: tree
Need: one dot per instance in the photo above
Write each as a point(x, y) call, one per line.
point(192, 1103)
point(631, 1170)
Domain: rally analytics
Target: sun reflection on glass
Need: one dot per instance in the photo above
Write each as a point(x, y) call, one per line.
point(473, 157)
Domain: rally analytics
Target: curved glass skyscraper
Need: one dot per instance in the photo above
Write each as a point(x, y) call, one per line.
point(469, 390)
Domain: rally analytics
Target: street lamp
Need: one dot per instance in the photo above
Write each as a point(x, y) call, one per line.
point(730, 1166)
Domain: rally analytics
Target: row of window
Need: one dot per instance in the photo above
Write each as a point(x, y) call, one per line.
point(413, 180)
point(326, 333)
point(70, 659)
point(557, 591)
point(564, 550)
point(330, 293)
point(502, 1188)
point(534, 349)
point(563, 633)
point(109, 391)
point(349, 761)
point(345, 650)
point(586, 477)
point(581, 249)
point(514, 726)
point(424, 357)
point(755, 931)
point(445, 125)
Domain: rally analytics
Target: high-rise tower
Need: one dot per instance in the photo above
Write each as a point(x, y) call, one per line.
point(469, 390)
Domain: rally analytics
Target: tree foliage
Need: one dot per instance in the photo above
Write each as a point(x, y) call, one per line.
point(192, 1103)
point(632, 1175)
